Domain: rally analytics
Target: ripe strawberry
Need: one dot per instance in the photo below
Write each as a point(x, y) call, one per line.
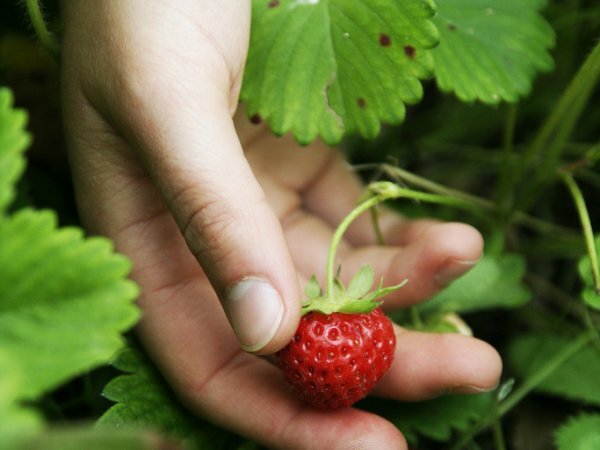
point(344, 343)
point(335, 359)
point(343, 346)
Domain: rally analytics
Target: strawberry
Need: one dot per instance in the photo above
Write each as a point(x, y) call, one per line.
point(335, 359)
point(343, 345)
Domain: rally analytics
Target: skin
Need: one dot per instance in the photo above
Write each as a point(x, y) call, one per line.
point(200, 198)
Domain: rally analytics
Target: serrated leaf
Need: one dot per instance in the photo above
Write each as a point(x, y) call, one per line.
point(17, 423)
point(435, 419)
point(579, 433)
point(361, 283)
point(79, 438)
point(312, 289)
point(13, 142)
point(590, 295)
point(144, 401)
point(494, 282)
point(64, 300)
point(331, 67)
point(491, 50)
point(576, 379)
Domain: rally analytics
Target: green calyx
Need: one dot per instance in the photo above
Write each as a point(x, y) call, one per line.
point(356, 298)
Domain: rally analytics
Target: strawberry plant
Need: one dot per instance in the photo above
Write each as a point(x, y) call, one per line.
point(479, 111)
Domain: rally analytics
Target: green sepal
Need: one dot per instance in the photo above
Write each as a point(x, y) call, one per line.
point(359, 307)
point(312, 289)
point(361, 283)
point(356, 299)
point(383, 291)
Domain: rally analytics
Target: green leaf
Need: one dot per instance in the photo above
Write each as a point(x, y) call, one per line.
point(64, 300)
point(494, 282)
point(590, 296)
point(16, 423)
point(491, 50)
point(331, 67)
point(435, 419)
point(144, 401)
point(361, 283)
point(13, 142)
point(579, 433)
point(312, 289)
point(576, 379)
point(78, 438)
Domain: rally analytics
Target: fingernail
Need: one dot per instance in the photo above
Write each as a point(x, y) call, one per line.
point(451, 270)
point(255, 311)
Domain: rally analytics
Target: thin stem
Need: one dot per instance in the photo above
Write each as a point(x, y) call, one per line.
point(337, 237)
point(507, 180)
point(545, 150)
point(542, 373)
point(41, 30)
point(528, 385)
point(376, 227)
point(519, 217)
point(380, 192)
point(499, 441)
point(586, 225)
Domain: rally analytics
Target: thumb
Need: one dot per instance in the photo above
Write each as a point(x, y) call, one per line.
point(196, 160)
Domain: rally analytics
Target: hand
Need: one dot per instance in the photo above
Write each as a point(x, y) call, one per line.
point(149, 93)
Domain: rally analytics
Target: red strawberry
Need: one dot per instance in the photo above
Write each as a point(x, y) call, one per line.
point(343, 346)
point(335, 359)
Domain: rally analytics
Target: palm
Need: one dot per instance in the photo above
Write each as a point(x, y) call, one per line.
point(184, 327)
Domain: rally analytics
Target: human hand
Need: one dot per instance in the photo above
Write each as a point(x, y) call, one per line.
point(150, 89)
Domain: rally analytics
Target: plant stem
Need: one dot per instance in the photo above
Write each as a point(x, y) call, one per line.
point(528, 385)
point(542, 373)
point(379, 192)
point(545, 150)
point(337, 237)
point(378, 234)
point(586, 225)
point(519, 217)
point(41, 30)
point(499, 442)
point(507, 180)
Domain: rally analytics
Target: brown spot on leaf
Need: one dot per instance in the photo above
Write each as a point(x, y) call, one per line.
point(385, 40)
point(409, 51)
point(273, 3)
point(255, 119)
point(451, 26)
point(361, 102)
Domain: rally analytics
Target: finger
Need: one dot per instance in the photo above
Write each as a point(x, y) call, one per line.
point(339, 178)
point(427, 365)
point(434, 255)
point(194, 157)
point(441, 254)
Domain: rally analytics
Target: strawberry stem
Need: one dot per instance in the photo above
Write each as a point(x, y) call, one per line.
point(378, 192)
